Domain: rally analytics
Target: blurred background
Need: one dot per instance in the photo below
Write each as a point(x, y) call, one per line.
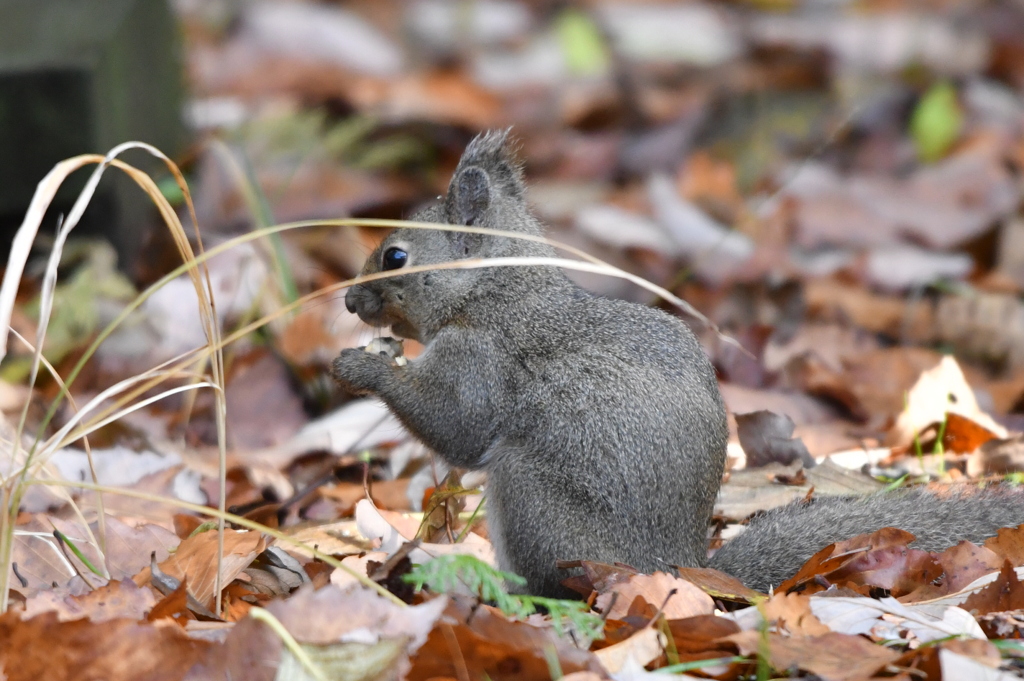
point(837, 184)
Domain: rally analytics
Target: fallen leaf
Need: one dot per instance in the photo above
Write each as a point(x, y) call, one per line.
point(963, 435)
point(1006, 593)
point(260, 384)
point(1008, 543)
point(195, 561)
point(174, 606)
point(749, 491)
point(311, 616)
point(976, 649)
point(643, 647)
point(604, 577)
point(792, 613)
point(337, 539)
point(700, 637)
point(1003, 624)
point(718, 584)
point(835, 557)
point(938, 391)
point(37, 561)
point(966, 562)
point(942, 205)
point(116, 650)
point(887, 618)
point(480, 642)
point(901, 267)
point(129, 548)
point(676, 597)
point(395, 529)
point(443, 96)
point(714, 249)
point(115, 600)
point(832, 656)
point(250, 651)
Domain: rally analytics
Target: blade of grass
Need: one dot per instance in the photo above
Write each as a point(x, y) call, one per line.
point(20, 250)
point(78, 553)
point(259, 208)
point(101, 509)
point(11, 497)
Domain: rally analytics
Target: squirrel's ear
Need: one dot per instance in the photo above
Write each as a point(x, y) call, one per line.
point(472, 190)
point(487, 172)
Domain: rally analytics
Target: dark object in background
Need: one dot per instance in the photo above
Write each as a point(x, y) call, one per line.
point(81, 76)
point(767, 438)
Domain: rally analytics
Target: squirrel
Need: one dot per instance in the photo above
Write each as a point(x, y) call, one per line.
point(599, 422)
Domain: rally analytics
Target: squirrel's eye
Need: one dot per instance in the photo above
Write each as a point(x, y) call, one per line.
point(395, 258)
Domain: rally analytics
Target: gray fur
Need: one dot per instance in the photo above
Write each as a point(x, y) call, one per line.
point(778, 543)
point(598, 421)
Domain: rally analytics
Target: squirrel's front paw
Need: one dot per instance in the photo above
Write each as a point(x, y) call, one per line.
point(361, 372)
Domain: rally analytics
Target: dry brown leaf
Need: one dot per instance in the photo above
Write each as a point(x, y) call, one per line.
point(116, 600)
point(259, 385)
point(341, 538)
point(710, 181)
point(251, 651)
point(657, 589)
point(603, 576)
point(749, 491)
point(893, 316)
point(444, 97)
point(832, 656)
point(643, 647)
point(174, 606)
point(963, 435)
point(964, 563)
point(1004, 594)
point(940, 390)
point(899, 569)
point(129, 548)
point(391, 494)
point(195, 561)
point(792, 613)
point(116, 650)
point(718, 584)
point(1003, 624)
point(307, 337)
point(38, 562)
point(311, 616)
point(474, 642)
point(834, 558)
point(1008, 544)
point(699, 638)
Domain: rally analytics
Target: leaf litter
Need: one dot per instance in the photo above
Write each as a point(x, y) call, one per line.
point(855, 244)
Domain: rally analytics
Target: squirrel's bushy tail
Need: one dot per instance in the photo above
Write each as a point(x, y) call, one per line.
point(777, 544)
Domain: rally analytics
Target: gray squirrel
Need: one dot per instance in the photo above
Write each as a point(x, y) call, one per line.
point(599, 422)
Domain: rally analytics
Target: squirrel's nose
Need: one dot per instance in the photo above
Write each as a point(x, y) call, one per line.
point(350, 300)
